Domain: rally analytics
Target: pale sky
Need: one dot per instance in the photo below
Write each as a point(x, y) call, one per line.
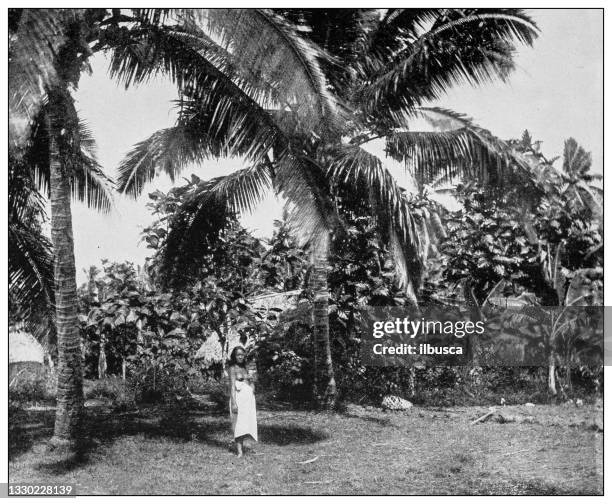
point(556, 92)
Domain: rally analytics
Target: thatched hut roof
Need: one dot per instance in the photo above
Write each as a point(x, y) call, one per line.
point(23, 347)
point(283, 300)
point(210, 351)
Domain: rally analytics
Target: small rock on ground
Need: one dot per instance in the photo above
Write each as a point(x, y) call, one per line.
point(395, 403)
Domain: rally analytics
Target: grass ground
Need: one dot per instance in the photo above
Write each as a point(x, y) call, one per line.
point(542, 450)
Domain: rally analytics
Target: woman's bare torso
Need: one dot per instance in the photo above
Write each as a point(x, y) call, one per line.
point(241, 374)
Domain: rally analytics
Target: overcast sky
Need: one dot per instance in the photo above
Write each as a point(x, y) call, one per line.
point(556, 92)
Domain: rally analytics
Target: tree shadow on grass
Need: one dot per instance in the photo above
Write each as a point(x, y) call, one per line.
point(283, 435)
point(212, 429)
point(27, 428)
point(103, 429)
point(383, 422)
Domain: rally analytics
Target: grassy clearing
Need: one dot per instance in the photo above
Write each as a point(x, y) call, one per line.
point(360, 451)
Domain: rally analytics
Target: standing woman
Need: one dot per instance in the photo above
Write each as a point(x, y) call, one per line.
point(242, 399)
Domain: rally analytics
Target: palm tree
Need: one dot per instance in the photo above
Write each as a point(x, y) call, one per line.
point(253, 86)
point(52, 150)
point(30, 252)
point(48, 51)
point(251, 93)
point(576, 172)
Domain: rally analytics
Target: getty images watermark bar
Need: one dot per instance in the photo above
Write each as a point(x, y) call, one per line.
point(523, 336)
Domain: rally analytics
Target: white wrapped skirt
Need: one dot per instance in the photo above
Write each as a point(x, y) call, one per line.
point(245, 421)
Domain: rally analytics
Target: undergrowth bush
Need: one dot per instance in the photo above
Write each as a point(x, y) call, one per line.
point(112, 388)
point(153, 385)
point(33, 384)
point(285, 366)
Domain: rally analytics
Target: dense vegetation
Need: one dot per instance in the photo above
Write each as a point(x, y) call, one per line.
point(298, 108)
point(146, 327)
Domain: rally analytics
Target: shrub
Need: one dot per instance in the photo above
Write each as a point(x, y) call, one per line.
point(289, 375)
point(112, 388)
point(33, 384)
point(154, 385)
point(284, 365)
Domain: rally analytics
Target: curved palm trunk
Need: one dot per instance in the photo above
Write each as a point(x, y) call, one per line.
point(69, 368)
point(324, 382)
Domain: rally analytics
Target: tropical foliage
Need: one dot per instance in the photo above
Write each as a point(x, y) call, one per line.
point(537, 247)
point(298, 97)
point(304, 138)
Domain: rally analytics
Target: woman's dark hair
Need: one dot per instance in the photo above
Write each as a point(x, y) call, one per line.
point(232, 360)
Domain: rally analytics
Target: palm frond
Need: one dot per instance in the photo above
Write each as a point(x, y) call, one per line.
point(169, 151)
point(461, 149)
point(447, 47)
point(593, 194)
point(210, 205)
point(215, 126)
point(189, 57)
point(89, 183)
point(251, 50)
point(30, 268)
point(382, 38)
point(26, 202)
point(270, 47)
point(223, 117)
point(310, 210)
point(207, 208)
point(576, 160)
point(575, 172)
point(193, 141)
point(354, 165)
point(35, 35)
point(244, 189)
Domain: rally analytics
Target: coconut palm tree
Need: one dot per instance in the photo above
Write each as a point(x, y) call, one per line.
point(257, 92)
point(257, 86)
point(48, 143)
point(30, 252)
point(48, 50)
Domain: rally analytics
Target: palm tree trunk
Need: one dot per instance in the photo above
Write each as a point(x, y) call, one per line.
point(552, 387)
point(69, 368)
point(475, 316)
point(324, 382)
point(94, 299)
point(63, 142)
point(102, 359)
point(413, 303)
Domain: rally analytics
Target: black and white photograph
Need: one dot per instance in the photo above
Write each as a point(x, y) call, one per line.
point(341, 250)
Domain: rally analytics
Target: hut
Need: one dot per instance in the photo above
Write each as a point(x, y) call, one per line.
point(211, 352)
point(25, 353)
